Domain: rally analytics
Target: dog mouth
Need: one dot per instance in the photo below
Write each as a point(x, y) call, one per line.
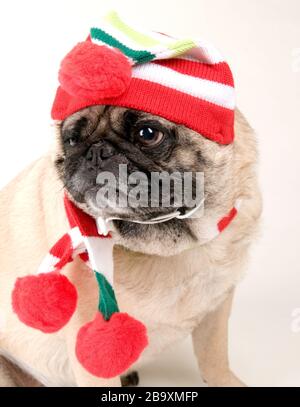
point(107, 217)
point(129, 194)
point(110, 211)
point(117, 203)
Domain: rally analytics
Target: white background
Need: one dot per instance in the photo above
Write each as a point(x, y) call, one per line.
point(261, 40)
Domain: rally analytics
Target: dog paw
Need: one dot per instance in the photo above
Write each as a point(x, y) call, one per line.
point(131, 379)
point(226, 379)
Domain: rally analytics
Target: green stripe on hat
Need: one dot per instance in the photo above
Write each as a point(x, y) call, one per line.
point(139, 56)
point(158, 45)
point(138, 46)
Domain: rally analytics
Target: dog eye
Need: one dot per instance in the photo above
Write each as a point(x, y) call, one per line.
point(149, 136)
point(72, 141)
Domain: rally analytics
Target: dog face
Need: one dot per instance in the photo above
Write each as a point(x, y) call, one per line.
point(100, 140)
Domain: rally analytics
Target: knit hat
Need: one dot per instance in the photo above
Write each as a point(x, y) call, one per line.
point(183, 80)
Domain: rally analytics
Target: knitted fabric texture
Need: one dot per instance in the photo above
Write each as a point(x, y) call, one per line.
point(109, 344)
point(183, 80)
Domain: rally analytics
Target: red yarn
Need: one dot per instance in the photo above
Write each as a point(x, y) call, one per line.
point(45, 301)
point(107, 348)
point(90, 71)
point(224, 222)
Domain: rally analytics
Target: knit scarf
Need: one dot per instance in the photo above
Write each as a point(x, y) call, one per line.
point(109, 344)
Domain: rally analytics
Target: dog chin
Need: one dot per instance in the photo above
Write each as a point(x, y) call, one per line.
point(109, 209)
point(155, 239)
point(163, 239)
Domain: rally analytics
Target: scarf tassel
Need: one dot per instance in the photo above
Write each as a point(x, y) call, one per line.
point(106, 346)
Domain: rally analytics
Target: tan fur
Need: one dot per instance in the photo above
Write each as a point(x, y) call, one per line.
point(184, 293)
point(12, 376)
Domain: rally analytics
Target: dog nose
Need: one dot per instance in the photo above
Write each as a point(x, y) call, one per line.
point(98, 153)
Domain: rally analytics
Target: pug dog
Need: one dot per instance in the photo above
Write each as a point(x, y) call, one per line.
point(164, 275)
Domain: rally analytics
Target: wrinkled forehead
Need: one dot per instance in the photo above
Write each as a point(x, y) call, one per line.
point(106, 118)
point(94, 121)
point(110, 115)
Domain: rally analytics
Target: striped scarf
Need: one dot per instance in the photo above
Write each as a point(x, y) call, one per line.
point(108, 345)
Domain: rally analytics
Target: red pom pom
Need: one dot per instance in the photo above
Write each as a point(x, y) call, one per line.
point(45, 301)
point(108, 348)
point(94, 72)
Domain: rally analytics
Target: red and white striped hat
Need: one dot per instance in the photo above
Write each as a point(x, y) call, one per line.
point(182, 80)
